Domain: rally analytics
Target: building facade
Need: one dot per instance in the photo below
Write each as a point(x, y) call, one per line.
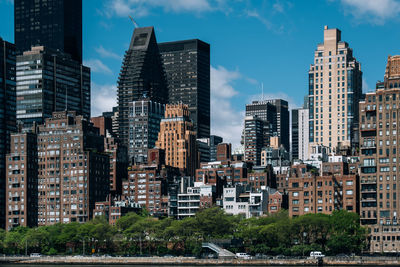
point(55, 24)
point(253, 139)
point(335, 88)
point(300, 134)
point(141, 76)
point(22, 181)
point(275, 114)
point(187, 68)
point(379, 147)
point(144, 125)
point(178, 138)
point(7, 114)
point(312, 193)
point(49, 81)
point(74, 171)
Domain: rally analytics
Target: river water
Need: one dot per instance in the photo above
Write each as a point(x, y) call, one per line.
point(26, 265)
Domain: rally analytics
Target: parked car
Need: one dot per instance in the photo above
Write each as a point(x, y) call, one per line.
point(316, 254)
point(36, 255)
point(243, 256)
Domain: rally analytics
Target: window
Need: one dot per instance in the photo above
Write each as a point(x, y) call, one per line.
point(349, 192)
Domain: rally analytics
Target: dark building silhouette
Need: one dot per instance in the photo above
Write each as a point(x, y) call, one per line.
point(7, 113)
point(141, 76)
point(276, 112)
point(295, 134)
point(187, 68)
point(55, 24)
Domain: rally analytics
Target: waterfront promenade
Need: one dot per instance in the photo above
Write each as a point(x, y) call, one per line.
point(189, 261)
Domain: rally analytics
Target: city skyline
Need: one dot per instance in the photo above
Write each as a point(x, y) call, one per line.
point(238, 67)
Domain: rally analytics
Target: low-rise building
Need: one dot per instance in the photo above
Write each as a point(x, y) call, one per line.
point(114, 208)
point(193, 198)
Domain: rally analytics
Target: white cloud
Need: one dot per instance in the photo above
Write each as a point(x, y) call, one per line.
point(375, 11)
point(225, 120)
point(97, 65)
point(141, 8)
point(107, 53)
point(104, 98)
point(278, 7)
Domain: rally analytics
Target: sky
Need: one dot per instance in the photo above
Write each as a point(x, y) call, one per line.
point(253, 42)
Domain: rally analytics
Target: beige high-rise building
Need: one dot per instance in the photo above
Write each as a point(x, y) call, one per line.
point(178, 139)
point(335, 88)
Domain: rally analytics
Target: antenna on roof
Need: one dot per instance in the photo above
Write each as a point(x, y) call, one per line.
point(262, 91)
point(134, 22)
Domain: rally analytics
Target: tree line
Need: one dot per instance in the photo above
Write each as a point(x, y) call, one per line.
point(141, 234)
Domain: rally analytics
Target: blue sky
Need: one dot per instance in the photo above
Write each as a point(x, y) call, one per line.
point(252, 42)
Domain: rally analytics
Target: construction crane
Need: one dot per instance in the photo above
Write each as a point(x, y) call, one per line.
point(134, 22)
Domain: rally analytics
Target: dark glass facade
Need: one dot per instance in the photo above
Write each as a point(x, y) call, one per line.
point(295, 134)
point(187, 68)
point(276, 112)
point(55, 24)
point(141, 76)
point(49, 81)
point(7, 113)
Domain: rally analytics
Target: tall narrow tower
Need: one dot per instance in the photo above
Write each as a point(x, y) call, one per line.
point(335, 88)
point(141, 77)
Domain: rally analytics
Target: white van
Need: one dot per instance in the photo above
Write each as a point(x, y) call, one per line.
point(316, 254)
point(243, 256)
point(36, 255)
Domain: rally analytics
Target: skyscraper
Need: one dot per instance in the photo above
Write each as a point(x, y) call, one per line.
point(253, 139)
point(141, 76)
point(335, 88)
point(275, 114)
point(379, 148)
point(7, 113)
point(55, 24)
point(300, 134)
point(144, 124)
point(49, 81)
point(187, 68)
point(178, 139)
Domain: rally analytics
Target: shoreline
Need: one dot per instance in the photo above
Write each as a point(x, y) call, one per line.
point(186, 261)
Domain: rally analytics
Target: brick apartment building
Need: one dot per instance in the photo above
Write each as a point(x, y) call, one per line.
point(379, 148)
point(116, 151)
point(22, 182)
point(73, 169)
point(310, 193)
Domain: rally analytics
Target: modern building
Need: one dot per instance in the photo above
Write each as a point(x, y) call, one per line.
point(379, 148)
point(214, 141)
point(49, 81)
point(335, 88)
point(178, 139)
point(203, 149)
point(114, 120)
point(7, 114)
point(241, 200)
point(253, 139)
point(187, 68)
point(22, 181)
point(300, 134)
point(74, 171)
point(55, 24)
point(144, 125)
point(141, 76)
point(194, 198)
point(275, 114)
